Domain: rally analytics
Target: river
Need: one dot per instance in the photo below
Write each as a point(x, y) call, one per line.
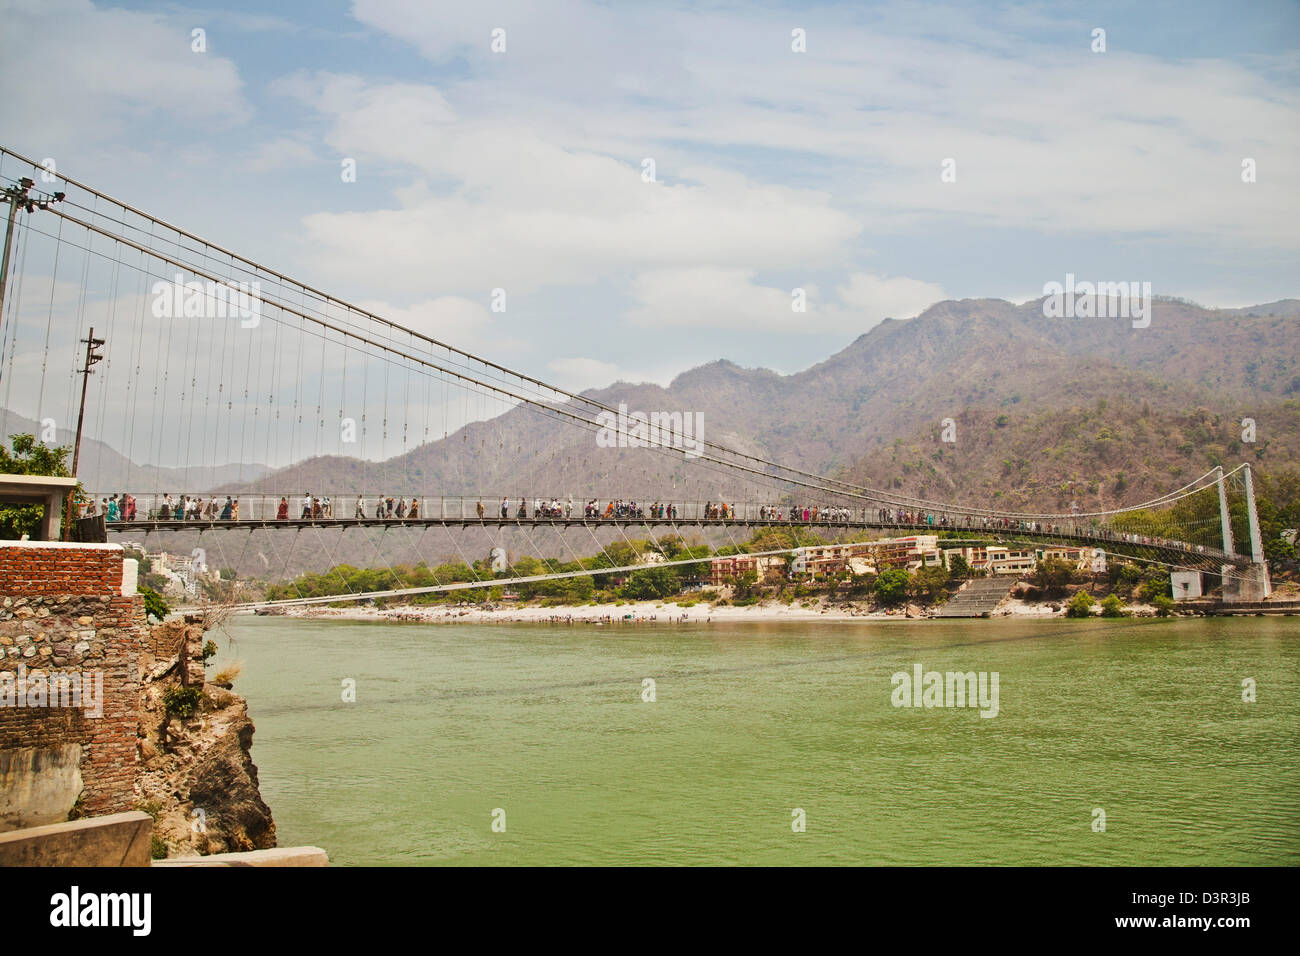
point(757, 728)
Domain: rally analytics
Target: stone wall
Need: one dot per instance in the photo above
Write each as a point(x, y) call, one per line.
point(62, 612)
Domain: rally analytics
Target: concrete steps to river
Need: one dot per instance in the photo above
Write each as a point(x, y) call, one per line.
point(977, 597)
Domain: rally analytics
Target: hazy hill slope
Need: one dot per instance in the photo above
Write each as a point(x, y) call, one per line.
point(103, 469)
point(1097, 455)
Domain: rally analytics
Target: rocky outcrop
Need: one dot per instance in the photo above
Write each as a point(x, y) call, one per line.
point(197, 776)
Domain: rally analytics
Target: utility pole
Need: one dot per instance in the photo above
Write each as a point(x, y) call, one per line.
point(92, 357)
point(17, 197)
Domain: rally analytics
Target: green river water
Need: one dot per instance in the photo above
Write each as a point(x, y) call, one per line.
point(1142, 719)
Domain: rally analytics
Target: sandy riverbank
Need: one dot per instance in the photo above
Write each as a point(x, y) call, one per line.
point(651, 612)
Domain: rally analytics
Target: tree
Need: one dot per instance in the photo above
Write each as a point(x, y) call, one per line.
point(1051, 575)
point(929, 584)
point(1156, 585)
point(891, 586)
point(745, 584)
point(29, 457)
point(651, 584)
point(958, 567)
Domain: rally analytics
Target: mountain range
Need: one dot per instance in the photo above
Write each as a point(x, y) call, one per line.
point(1045, 413)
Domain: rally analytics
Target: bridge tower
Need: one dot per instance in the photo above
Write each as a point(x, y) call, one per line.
point(1252, 582)
point(1224, 519)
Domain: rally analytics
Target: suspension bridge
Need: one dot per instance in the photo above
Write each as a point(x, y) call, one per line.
point(212, 361)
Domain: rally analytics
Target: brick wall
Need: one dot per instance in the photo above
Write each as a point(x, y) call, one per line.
point(61, 611)
point(27, 569)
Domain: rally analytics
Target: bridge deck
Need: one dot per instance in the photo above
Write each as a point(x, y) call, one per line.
point(1101, 537)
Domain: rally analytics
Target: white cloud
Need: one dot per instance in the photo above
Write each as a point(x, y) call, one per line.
point(94, 73)
point(731, 299)
point(457, 321)
point(1046, 137)
point(872, 298)
point(577, 374)
point(713, 298)
point(523, 210)
point(284, 152)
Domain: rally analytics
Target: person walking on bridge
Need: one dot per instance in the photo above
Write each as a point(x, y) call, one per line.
point(505, 508)
point(479, 509)
point(282, 512)
point(361, 508)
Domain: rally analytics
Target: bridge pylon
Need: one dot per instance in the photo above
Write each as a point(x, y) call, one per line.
point(1249, 583)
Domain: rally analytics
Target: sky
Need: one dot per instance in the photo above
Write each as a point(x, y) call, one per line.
point(878, 157)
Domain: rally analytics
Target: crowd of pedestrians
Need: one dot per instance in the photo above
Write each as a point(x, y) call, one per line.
point(122, 507)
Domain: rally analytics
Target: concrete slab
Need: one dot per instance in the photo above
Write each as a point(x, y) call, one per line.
point(120, 839)
point(279, 856)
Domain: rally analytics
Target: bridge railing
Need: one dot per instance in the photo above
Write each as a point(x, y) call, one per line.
point(161, 509)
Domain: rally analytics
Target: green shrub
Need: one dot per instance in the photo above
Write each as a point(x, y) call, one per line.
point(182, 701)
point(1112, 606)
point(1164, 605)
point(1129, 574)
point(1080, 605)
point(1155, 585)
point(209, 651)
point(154, 604)
point(157, 847)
